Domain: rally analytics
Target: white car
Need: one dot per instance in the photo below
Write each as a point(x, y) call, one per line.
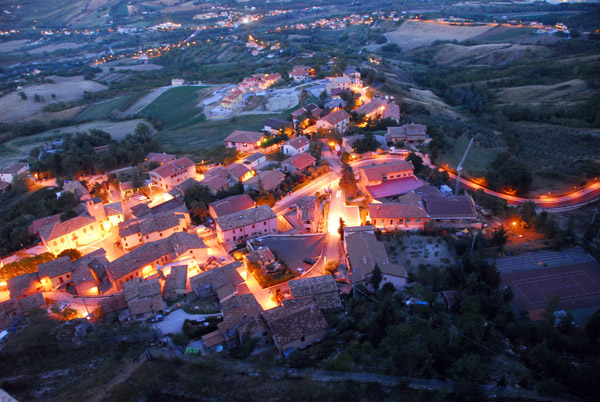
point(300, 271)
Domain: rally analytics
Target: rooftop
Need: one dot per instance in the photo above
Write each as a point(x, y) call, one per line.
point(301, 161)
point(297, 143)
point(173, 167)
point(377, 172)
point(57, 229)
point(245, 218)
point(232, 204)
point(394, 187)
point(177, 279)
point(268, 179)
point(364, 252)
point(244, 136)
point(335, 117)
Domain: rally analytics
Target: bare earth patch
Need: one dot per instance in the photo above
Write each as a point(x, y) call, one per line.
point(12, 45)
point(432, 102)
point(414, 34)
point(52, 48)
point(281, 102)
point(485, 54)
point(568, 91)
point(14, 109)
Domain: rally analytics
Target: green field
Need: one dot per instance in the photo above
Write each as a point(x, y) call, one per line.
point(102, 110)
point(477, 160)
point(175, 108)
point(210, 133)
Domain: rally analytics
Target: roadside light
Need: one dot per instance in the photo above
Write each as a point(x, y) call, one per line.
point(332, 144)
point(514, 223)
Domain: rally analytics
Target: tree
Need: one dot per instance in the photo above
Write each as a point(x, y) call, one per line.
point(23, 95)
point(417, 162)
point(68, 215)
point(341, 228)
point(21, 183)
point(366, 144)
point(72, 253)
point(323, 97)
point(499, 237)
point(592, 328)
point(527, 211)
point(376, 277)
point(348, 182)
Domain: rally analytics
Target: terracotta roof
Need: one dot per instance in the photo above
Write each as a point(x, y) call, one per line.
point(55, 268)
point(237, 309)
point(150, 223)
point(232, 204)
point(263, 254)
point(340, 80)
point(31, 301)
point(335, 117)
point(307, 205)
point(376, 172)
point(218, 278)
point(299, 70)
point(428, 191)
point(160, 157)
point(215, 183)
point(254, 157)
point(177, 279)
point(269, 179)
point(145, 305)
point(394, 187)
point(38, 223)
point(251, 137)
point(138, 288)
point(115, 302)
point(294, 321)
point(410, 132)
point(82, 273)
point(213, 339)
point(58, 229)
point(21, 285)
point(301, 161)
point(310, 109)
point(371, 106)
point(396, 210)
point(217, 171)
point(311, 286)
point(173, 167)
point(245, 218)
point(175, 245)
point(237, 170)
point(113, 209)
point(297, 143)
point(14, 168)
point(450, 207)
point(364, 252)
point(392, 111)
point(277, 124)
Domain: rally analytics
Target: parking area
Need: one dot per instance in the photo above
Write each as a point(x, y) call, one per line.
point(293, 249)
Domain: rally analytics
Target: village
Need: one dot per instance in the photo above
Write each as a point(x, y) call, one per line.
point(139, 255)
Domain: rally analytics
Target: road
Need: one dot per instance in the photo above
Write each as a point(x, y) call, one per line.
point(567, 202)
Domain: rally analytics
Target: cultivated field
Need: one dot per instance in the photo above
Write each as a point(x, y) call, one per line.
point(175, 107)
point(414, 34)
point(14, 109)
point(53, 48)
point(12, 45)
point(133, 67)
point(282, 102)
point(561, 93)
point(493, 54)
point(117, 130)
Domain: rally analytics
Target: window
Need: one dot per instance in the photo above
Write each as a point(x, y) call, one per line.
point(147, 237)
point(418, 220)
point(252, 226)
point(265, 223)
point(407, 220)
point(60, 279)
point(391, 221)
point(233, 237)
point(302, 339)
point(84, 231)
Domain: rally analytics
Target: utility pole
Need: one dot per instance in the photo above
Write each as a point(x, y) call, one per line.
point(460, 166)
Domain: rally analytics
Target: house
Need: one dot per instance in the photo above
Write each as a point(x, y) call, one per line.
point(408, 134)
point(258, 82)
point(160, 158)
point(23, 285)
point(34, 228)
point(253, 161)
point(72, 233)
point(338, 83)
point(10, 172)
point(113, 306)
point(453, 211)
point(175, 282)
point(173, 206)
point(89, 273)
point(178, 192)
point(4, 186)
point(310, 111)
point(372, 110)
point(230, 205)
point(353, 76)
point(232, 100)
point(75, 187)
point(126, 189)
point(296, 146)
point(348, 142)
point(300, 73)
point(308, 212)
point(142, 261)
point(143, 298)
point(215, 184)
point(246, 224)
point(363, 252)
point(244, 141)
point(239, 172)
point(276, 126)
point(223, 282)
point(267, 180)
point(298, 163)
point(378, 174)
point(322, 290)
point(295, 325)
point(107, 216)
point(408, 213)
point(55, 273)
point(262, 257)
point(238, 312)
point(173, 173)
point(11, 310)
point(152, 227)
point(336, 121)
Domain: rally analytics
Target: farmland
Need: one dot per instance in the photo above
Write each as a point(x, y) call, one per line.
point(175, 108)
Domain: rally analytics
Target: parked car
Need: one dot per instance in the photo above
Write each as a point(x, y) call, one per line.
point(222, 259)
point(300, 271)
point(64, 306)
point(309, 261)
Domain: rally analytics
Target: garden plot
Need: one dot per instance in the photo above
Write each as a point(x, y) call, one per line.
point(412, 250)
